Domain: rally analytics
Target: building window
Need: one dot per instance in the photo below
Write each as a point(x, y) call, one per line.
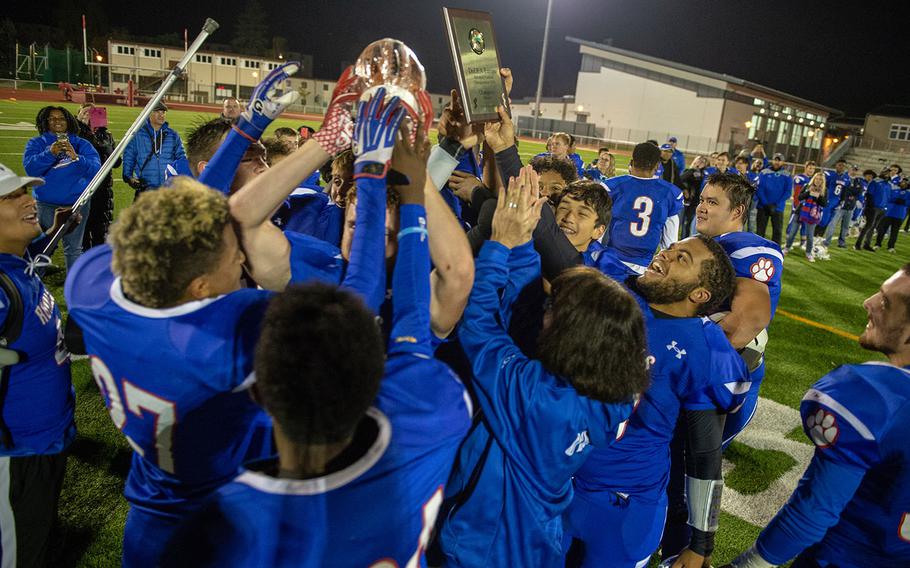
point(251, 64)
point(147, 52)
point(325, 87)
point(203, 58)
point(758, 102)
point(125, 50)
point(119, 78)
point(223, 91)
point(899, 132)
point(228, 61)
point(272, 66)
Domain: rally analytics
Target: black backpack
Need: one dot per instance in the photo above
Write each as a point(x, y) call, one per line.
point(9, 333)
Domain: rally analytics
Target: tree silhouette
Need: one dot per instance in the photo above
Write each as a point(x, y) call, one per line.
point(251, 32)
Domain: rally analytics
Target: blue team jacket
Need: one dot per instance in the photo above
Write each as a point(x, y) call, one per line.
point(165, 148)
point(512, 478)
point(774, 188)
point(880, 191)
point(64, 179)
point(897, 204)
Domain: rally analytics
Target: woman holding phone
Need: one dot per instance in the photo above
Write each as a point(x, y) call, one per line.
point(67, 163)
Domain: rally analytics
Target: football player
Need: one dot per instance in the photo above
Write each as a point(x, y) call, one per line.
point(618, 512)
point(37, 401)
point(346, 439)
point(852, 506)
point(645, 210)
point(171, 336)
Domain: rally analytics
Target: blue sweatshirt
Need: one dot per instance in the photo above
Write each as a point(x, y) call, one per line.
point(512, 479)
point(64, 179)
point(163, 145)
point(774, 188)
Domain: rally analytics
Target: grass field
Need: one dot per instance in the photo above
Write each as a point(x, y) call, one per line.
point(761, 469)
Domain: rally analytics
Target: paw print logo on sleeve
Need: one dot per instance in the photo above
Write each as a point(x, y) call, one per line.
point(822, 428)
point(762, 270)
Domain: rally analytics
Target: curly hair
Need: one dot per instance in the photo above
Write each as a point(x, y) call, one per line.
point(596, 337)
point(166, 239)
point(564, 168)
point(43, 125)
point(717, 276)
point(318, 395)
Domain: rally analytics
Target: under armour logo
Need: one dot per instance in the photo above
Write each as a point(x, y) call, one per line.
point(581, 442)
point(679, 352)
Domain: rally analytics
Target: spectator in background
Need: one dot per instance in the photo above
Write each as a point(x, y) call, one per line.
point(67, 163)
point(894, 215)
point(148, 154)
point(862, 182)
point(837, 180)
point(691, 180)
point(754, 171)
point(231, 108)
point(799, 181)
point(667, 169)
point(101, 210)
point(560, 146)
point(842, 212)
point(288, 137)
point(895, 170)
point(811, 201)
point(573, 155)
point(758, 153)
point(877, 197)
point(774, 187)
point(678, 157)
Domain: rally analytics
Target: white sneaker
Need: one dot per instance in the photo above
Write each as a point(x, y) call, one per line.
point(891, 251)
point(785, 250)
point(810, 258)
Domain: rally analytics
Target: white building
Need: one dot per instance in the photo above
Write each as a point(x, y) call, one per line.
point(631, 97)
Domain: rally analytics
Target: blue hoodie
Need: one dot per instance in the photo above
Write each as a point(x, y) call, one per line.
point(64, 179)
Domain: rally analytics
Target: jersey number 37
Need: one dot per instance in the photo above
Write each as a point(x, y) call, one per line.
point(138, 401)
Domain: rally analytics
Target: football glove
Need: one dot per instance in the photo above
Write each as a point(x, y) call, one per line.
point(374, 134)
point(264, 107)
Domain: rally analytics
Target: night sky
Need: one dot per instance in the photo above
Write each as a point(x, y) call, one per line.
point(851, 59)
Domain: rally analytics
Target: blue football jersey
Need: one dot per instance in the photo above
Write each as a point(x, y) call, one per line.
point(859, 416)
point(756, 258)
point(381, 508)
point(39, 402)
point(311, 212)
point(173, 380)
point(693, 367)
point(641, 207)
point(836, 183)
point(605, 260)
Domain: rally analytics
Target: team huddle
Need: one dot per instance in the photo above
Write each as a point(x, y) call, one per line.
point(406, 371)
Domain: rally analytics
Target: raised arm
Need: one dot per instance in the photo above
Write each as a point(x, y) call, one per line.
point(267, 249)
point(375, 134)
point(264, 107)
point(750, 312)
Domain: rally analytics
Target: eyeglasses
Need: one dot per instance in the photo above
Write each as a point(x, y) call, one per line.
point(255, 152)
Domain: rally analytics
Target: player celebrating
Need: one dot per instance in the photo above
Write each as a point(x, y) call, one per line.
point(171, 337)
point(345, 438)
point(693, 369)
point(852, 506)
point(36, 391)
point(537, 418)
point(645, 210)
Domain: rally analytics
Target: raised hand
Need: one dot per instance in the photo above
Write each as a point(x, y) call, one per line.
point(335, 134)
point(410, 160)
point(518, 209)
point(264, 106)
point(454, 125)
point(500, 135)
point(463, 184)
point(374, 135)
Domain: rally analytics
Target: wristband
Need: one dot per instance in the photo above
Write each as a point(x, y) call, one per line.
point(373, 170)
point(242, 133)
point(413, 231)
point(452, 147)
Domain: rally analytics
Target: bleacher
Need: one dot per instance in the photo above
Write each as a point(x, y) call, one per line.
point(874, 159)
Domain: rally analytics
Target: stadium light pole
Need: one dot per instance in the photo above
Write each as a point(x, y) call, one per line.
point(543, 62)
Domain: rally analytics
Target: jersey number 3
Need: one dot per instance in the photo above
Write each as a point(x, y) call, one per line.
point(645, 207)
point(138, 401)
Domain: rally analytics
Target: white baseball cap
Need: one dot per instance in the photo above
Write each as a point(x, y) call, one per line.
point(10, 182)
